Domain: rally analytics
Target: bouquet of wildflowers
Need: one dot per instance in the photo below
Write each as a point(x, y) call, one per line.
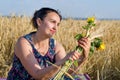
point(96, 43)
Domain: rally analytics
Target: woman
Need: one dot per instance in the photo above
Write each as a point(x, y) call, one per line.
point(35, 51)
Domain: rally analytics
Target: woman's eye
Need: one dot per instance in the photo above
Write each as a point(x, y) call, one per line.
point(53, 21)
point(58, 24)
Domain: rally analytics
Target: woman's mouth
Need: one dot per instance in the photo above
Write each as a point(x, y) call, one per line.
point(52, 31)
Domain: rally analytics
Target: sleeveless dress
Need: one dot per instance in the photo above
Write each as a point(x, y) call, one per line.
point(18, 72)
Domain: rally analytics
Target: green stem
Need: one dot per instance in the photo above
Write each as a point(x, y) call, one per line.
point(69, 63)
point(87, 33)
point(64, 69)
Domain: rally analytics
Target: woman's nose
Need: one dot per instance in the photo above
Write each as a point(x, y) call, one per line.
point(54, 27)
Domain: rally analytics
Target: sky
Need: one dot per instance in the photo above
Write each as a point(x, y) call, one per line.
point(109, 9)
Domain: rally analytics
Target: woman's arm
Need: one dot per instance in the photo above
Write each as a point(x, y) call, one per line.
point(23, 51)
point(85, 44)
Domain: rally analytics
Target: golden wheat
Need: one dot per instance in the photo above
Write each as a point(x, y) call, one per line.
point(103, 65)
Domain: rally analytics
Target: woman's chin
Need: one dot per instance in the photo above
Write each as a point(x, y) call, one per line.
point(50, 35)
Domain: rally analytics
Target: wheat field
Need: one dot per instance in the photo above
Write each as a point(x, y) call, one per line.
point(102, 65)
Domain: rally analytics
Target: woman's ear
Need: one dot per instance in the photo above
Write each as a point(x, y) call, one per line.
point(38, 20)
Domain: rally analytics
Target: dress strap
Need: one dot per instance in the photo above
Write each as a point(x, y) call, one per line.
point(52, 45)
point(28, 38)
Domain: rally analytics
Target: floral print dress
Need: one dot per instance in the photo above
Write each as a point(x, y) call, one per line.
point(18, 72)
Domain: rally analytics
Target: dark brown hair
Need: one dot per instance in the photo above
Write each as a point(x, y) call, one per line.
point(41, 13)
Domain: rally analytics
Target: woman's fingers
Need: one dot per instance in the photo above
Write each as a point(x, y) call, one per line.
point(85, 44)
point(75, 56)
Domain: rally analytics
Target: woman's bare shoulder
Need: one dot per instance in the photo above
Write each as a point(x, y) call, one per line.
point(58, 45)
point(22, 47)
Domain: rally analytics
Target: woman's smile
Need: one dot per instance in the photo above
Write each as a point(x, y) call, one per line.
point(52, 31)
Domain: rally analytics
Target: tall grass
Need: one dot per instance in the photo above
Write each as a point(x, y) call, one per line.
point(102, 65)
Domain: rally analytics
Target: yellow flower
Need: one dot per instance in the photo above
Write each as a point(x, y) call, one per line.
point(90, 19)
point(102, 46)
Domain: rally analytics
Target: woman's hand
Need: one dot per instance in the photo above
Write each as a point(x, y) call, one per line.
point(85, 44)
point(75, 55)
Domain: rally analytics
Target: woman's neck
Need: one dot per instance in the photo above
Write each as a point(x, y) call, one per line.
point(40, 39)
point(41, 43)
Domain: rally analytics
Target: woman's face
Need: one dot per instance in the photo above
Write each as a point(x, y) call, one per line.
point(49, 24)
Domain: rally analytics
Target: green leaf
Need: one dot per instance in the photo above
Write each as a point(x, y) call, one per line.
point(93, 24)
point(84, 27)
point(78, 36)
point(92, 48)
point(97, 42)
point(79, 49)
point(76, 63)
